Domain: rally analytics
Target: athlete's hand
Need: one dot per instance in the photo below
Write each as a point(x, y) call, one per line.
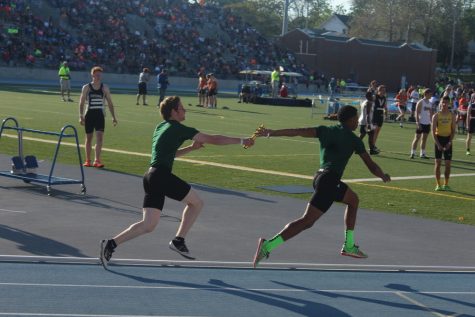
point(261, 131)
point(246, 143)
point(196, 145)
point(114, 122)
point(386, 178)
point(81, 120)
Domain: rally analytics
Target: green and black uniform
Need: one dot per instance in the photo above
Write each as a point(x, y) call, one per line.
point(159, 181)
point(337, 145)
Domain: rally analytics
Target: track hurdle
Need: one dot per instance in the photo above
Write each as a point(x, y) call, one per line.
point(24, 168)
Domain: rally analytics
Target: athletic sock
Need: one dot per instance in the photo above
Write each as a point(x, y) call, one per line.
point(273, 243)
point(349, 239)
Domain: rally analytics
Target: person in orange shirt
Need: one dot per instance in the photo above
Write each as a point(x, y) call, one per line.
point(212, 90)
point(401, 101)
point(464, 101)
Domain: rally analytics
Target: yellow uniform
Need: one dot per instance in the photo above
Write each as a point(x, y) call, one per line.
point(444, 124)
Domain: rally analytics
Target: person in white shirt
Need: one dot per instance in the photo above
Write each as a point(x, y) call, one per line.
point(423, 118)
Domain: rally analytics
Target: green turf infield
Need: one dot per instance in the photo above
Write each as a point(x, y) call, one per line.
point(128, 146)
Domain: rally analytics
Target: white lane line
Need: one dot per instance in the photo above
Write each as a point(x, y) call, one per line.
point(210, 288)
point(230, 264)
point(84, 315)
point(243, 168)
point(13, 211)
point(413, 301)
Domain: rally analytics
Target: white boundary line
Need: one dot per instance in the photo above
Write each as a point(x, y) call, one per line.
point(238, 264)
point(13, 211)
point(211, 288)
point(243, 168)
point(413, 301)
point(85, 315)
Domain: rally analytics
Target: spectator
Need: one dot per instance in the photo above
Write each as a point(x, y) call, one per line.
point(144, 77)
point(65, 80)
point(162, 85)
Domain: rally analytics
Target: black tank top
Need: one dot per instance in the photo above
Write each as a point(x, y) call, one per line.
point(95, 98)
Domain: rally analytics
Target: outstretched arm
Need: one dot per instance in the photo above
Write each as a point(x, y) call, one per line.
point(374, 168)
point(221, 139)
point(303, 132)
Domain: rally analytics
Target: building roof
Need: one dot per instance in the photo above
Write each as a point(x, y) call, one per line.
point(343, 18)
point(332, 36)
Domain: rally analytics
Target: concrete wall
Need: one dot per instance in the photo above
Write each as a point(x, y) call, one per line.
point(19, 75)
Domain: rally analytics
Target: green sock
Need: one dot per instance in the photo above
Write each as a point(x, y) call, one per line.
point(349, 239)
point(273, 243)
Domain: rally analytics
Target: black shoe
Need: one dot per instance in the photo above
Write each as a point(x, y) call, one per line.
point(178, 245)
point(412, 156)
point(107, 249)
point(373, 152)
point(423, 156)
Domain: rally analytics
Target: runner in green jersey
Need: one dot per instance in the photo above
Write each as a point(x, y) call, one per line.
point(337, 145)
point(159, 181)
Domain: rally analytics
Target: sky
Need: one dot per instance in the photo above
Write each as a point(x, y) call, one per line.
point(345, 3)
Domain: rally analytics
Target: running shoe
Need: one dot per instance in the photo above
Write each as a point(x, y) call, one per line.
point(261, 253)
point(70, 100)
point(411, 156)
point(98, 164)
point(106, 252)
point(354, 252)
point(87, 163)
point(467, 153)
point(423, 156)
point(439, 188)
point(178, 245)
point(373, 152)
point(446, 187)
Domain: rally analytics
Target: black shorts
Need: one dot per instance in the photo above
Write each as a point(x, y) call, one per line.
point(94, 120)
point(159, 182)
point(443, 140)
point(203, 91)
point(471, 128)
point(378, 120)
point(328, 188)
point(403, 108)
point(142, 88)
point(423, 128)
point(212, 92)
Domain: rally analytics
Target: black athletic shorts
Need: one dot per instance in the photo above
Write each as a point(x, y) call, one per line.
point(159, 182)
point(443, 140)
point(471, 128)
point(328, 188)
point(142, 88)
point(378, 119)
point(423, 128)
point(94, 120)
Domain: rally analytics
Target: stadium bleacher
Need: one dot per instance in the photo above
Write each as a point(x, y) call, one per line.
point(124, 36)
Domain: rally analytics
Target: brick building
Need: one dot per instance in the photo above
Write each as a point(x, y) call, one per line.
point(362, 60)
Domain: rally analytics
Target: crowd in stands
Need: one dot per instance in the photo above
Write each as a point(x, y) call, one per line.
point(175, 34)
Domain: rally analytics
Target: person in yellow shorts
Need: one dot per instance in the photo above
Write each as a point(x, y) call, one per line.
point(443, 131)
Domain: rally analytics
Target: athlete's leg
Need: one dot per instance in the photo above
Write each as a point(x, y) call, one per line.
point(88, 145)
point(437, 171)
point(194, 205)
point(468, 141)
point(423, 142)
point(417, 137)
point(352, 201)
point(448, 165)
point(311, 215)
point(98, 147)
point(151, 217)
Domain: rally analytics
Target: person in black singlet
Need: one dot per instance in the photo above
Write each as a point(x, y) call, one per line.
point(93, 119)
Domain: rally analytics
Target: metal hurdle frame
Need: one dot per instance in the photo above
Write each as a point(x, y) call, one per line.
point(49, 179)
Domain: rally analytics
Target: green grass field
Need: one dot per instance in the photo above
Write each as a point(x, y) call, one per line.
point(41, 108)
